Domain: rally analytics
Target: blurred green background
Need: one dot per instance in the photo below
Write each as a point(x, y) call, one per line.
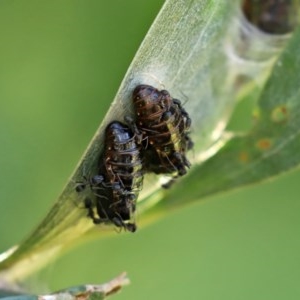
point(61, 63)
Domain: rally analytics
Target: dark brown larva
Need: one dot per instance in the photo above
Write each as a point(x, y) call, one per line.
point(120, 180)
point(165, 125)
point(108, 216)
point(272, 16)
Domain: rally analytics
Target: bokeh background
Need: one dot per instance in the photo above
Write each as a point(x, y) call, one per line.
point(61, 63)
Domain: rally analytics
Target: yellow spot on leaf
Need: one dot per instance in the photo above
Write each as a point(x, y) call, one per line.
point(264, 144)
point(279, 114)
point(256, 114)
point(244, 157)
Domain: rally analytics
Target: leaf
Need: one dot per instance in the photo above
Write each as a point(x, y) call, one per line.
point(182, 52)
point(270, 148)
point(82, 292)
point(187, 52)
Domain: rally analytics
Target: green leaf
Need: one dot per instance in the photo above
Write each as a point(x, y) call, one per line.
point(191, 51)
point(270, 148)
point(183, 52)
